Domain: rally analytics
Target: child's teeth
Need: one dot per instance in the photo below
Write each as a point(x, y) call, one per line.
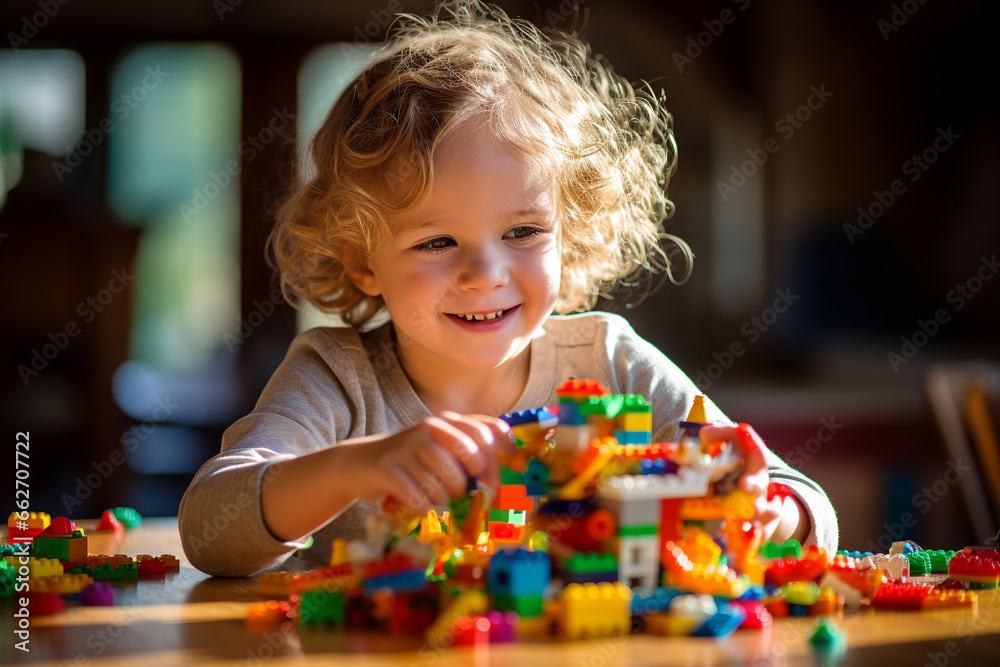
point(480, 317)
point(487, 316)
point(491, 316)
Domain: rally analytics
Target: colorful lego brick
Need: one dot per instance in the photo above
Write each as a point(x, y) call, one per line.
point(633, 437)
point(505, 533)
point(771, 551)
point(63, 584)
point(97, 594)
point(268, 615)
point(635, 421)
point(722, 624)
point(518, 572)
point(570, 415)
point(21, 530)
point(756, 615)
point(595, 610)
point(63, 548)
point(123, 572)
point(927, 561)
point(574, 438)
point(467, 603)
point(503, 626)
point(110, 523)
point(645, 602)
point(45, 604)
point(472, 631)
point(405, 581)
point(811, 566)
point(540, 416)
point(277, 584)
point(536, 479)
point(943, 598)
point(979, 568)
point(525, 606)
point(128, 517)
point(587, 563)
point(681, 573)
point(8, 579)
point(580, 389)
point(829, 601)
point(899, 595)
point(826, 637)
point(800, 592)
point(514, 497)
point(151, 567)
point(846, 569)
point(38, 567)
point(322, 607)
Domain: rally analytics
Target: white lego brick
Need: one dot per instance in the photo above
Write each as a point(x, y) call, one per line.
point(687, 483)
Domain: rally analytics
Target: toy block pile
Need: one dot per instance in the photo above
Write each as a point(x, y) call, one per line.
point(596, 530)
point(46, 561)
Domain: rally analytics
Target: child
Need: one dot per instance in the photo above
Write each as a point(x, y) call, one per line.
point(477, 177)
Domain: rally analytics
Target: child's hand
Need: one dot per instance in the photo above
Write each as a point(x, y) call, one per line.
point(426, 464)
point(781, 516)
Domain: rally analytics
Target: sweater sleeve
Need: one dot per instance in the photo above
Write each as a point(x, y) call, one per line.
point(300, 411)
point(639, 367)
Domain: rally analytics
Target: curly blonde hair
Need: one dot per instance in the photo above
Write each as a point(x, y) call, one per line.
point(609, 146)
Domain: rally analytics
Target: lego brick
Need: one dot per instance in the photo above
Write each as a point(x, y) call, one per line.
point(97, 594)
point(514, 497)
point(503, 626)
point(574, 438)
point(645, 601)
point(63, 584)
point(518, 572)
point(689, 483)
point(637, 531)
point(505, 533)
point(268, 615)
point(128, 517)
point(472, 631)
point(632, 437)
point(123, 572)
point(525, 606)
point(722, 624)
point(635, 404)
point(638, 560)
point(540, 416)
point(585, 563)
point(406, 581)
point(638, 512)
point(507, 516)
point(595, 610)
point(575, 389)
point(322, 607)
point(536, 479)
point(60, 547)
point(634, 421)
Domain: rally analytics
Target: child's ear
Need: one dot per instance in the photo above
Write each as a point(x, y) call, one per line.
point(359, 270)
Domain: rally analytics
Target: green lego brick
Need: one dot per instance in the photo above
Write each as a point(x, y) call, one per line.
point(587, 563)
point(637, 531)
point(508, 476)
point(603, 406)
point(8, 577)
point(636, 403)
point(108, 572)
point(929, 561)
point(769, 550)
point(517, 517)
point(525, 606)
point(127, 516)
point(322, 607)
point(460, 509)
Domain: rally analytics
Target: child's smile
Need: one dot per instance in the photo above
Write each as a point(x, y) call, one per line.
point(472, 273)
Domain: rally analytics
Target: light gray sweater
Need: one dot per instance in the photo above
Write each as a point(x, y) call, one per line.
point(335, 384)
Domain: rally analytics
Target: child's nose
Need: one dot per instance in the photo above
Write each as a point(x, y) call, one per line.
point(482, 269)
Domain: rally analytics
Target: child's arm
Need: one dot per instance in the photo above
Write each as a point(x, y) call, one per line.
point(421, 466)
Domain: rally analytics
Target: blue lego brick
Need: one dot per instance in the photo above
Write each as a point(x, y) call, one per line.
point(644, 602)
point(569, 414)
point(798, 609)
point(406, 581)
point(633, 437)
point(658, 467)
point(532, 416)
point(722, 624)
point(571, 508)
point(536, 479)
point(518, 573)
point(753, 592)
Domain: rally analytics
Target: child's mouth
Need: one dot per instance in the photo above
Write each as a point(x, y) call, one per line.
point(483, 321)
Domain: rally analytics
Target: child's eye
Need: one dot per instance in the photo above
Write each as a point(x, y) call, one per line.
point(522, 233)
point(435, 245)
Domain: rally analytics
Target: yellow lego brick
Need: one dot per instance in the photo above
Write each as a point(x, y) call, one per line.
point(596, 610)
point(938, 599)
point(41, 567)
point(716, 580)
point(35, 520)
point(670, 625)
point(277, 584)
point(468, 603)
point(63, 584)
point(633, 421)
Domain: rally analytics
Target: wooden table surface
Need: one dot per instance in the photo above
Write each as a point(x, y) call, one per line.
point(191, 618)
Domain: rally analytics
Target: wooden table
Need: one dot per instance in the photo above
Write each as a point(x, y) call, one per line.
point(191, 618)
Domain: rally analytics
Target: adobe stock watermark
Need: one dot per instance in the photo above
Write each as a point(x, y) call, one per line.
point(130, 441)
point(915, 167)
point(88, 310)
point(714, 28)
point(122, 107)
point(802, 454)
point(249, 148)
point(959, 296)
point(254, 319)
point(898, 17)
point(786, 127)
point(752, 330)
point(922, 502)
point(30, 25)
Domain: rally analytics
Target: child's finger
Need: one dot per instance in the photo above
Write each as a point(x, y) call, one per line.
point(746, 439)
point(475, 450)
point(439, 475)
point(405, 490)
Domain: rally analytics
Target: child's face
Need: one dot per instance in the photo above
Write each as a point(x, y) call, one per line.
point(486, 240)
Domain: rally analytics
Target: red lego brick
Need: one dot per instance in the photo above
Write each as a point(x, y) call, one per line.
point(811, 566)
point(152, 567)
point(394, 561)
point(581, 389)
point(514, 497)
point(899, 595)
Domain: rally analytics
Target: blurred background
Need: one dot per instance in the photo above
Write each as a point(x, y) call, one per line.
point(837, 183)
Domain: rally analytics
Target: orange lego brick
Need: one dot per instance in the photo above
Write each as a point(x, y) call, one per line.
point(514, 497)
